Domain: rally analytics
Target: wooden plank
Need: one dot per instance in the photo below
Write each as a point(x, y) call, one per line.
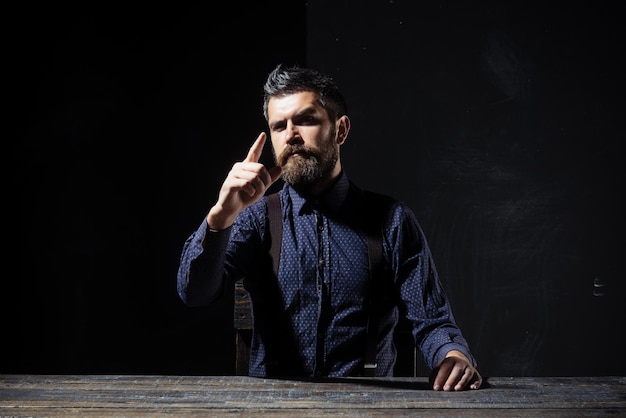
point(242, 318)
point(243, 340)
point(181, 396)
point(161, 412)
point(242, 322)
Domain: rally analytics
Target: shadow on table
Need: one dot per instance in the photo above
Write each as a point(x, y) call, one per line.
point(393, 383)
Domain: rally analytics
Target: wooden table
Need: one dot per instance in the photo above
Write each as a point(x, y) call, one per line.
point(205, 396)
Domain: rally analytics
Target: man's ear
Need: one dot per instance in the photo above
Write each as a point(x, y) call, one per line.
point(343, 128)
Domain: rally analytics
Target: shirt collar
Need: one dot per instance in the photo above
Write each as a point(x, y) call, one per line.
point(331, 200)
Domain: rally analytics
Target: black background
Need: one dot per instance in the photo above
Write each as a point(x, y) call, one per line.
point(498, 124)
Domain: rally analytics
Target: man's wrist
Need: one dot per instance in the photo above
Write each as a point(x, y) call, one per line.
point(216, 222)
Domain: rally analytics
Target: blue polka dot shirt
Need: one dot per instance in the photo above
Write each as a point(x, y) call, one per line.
point(311, 320)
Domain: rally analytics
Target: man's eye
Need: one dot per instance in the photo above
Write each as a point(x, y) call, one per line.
point(307, 120)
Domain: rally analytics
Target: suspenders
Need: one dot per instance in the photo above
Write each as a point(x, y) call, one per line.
point(274, 214)
point(372, 225)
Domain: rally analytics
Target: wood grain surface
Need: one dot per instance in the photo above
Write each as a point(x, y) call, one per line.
point(191, 396)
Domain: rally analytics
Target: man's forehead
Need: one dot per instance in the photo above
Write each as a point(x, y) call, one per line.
point(295, 103)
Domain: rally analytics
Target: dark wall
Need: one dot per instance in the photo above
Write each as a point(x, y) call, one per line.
point(497, 124)
point(500, 125)
point(128, 120)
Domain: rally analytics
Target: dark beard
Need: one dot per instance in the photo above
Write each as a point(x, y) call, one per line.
point(311, 165)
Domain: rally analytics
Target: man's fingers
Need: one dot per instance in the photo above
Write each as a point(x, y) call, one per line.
point(251, 178)
point(440, 374)
point(478, 382)
point(256, 149)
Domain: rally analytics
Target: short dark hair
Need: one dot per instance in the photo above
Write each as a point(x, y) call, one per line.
point(284, 81)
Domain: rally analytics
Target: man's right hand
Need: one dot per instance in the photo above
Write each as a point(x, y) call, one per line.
point(246, 183)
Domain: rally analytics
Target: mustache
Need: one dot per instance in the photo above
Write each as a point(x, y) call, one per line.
point(294, 149)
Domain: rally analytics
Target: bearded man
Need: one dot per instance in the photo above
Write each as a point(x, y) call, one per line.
point(312, 309)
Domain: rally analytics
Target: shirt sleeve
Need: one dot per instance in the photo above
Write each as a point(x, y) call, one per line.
point(200, 277)
point(425, 302)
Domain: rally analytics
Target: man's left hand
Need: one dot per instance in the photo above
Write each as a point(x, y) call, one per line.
point(455, 372)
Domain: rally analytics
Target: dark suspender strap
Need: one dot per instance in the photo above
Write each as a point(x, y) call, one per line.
point(372, 223)
point(375, 256)
point(274, 214)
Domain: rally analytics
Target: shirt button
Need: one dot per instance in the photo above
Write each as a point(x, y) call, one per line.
point(322, 262)
point(318, 373)
point(320, 228)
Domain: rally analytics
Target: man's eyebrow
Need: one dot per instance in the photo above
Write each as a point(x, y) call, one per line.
point(304, 112)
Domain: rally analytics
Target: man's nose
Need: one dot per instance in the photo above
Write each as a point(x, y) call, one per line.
point(292, 135)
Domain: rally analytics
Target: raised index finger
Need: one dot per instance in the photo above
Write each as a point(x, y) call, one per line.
point(256, 149)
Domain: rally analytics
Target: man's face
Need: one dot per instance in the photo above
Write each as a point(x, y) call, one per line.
point(305, 141)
